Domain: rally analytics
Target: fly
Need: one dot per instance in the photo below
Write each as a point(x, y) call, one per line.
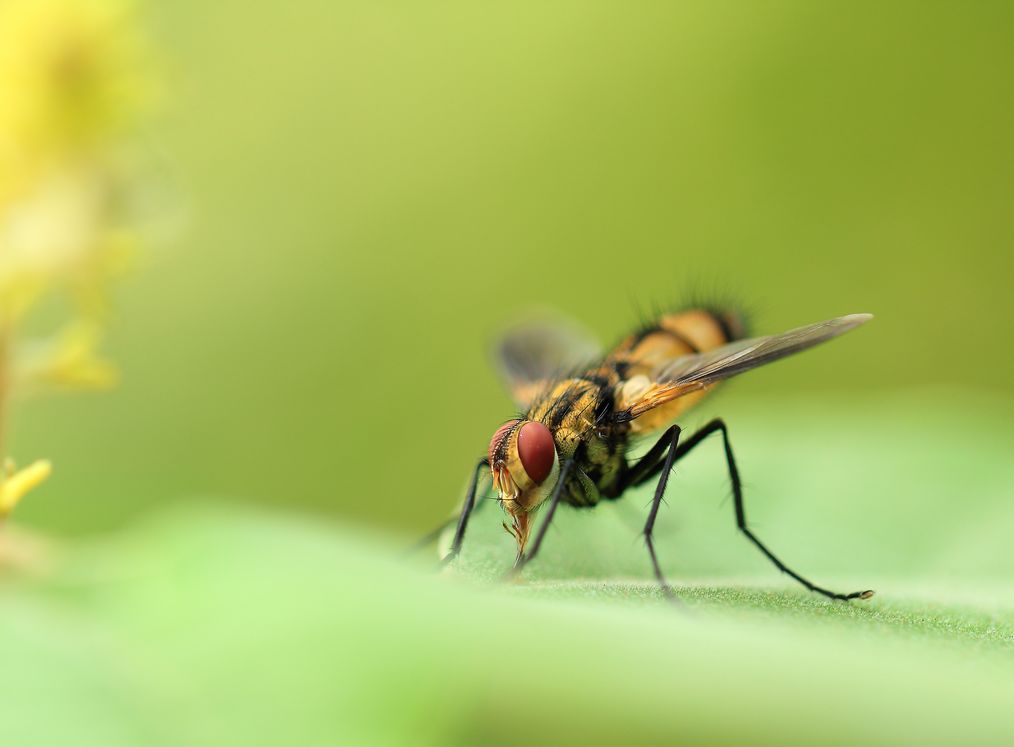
point(584, 410)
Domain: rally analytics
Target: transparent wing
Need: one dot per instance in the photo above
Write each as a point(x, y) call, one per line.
point(692, 373)
point(535, 352)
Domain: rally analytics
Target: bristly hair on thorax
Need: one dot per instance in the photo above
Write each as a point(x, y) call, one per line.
point(713, 297)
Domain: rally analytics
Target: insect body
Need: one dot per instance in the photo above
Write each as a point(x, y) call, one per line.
point(582, 418)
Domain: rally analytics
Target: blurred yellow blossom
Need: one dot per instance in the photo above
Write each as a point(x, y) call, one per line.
point(16, 483)
point(68, 359)
point(73, 79)
point(74, 82)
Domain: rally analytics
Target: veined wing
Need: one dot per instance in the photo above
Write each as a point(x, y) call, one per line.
point(532, 354)
point(692, 373)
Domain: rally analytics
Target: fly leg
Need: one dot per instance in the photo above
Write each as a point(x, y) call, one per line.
point(669, 443)
point(641, 474)
point(466, 512)
point(554, 500)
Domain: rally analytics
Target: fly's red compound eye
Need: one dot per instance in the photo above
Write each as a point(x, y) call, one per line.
point(537, 451)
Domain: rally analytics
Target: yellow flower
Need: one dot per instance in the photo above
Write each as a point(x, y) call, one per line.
point(72, 78)
point(64, 233)
point(68, 360)
point(15, 484)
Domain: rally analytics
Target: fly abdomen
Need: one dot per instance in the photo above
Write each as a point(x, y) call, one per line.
point(675, 334)
point(642, 355)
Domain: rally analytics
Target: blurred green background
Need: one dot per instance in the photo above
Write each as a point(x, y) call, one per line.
point(368, 191)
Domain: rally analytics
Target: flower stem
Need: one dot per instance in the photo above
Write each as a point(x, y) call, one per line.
point(5, 345)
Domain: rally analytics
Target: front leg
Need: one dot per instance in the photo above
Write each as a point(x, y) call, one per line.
point(466, 512)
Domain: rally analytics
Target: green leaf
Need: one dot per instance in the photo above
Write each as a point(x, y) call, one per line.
point(217, 624)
